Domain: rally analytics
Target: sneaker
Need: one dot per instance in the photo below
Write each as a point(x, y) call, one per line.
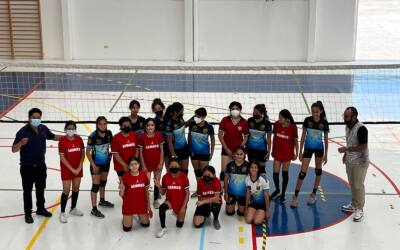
point(105, 203)
point(216, 224)
point(282, 199)
point(76, 212)
point(150, 188)
point(156, 204)
point(312, 199)
point(28, 218)
point(194, 195)
point(97, 213)
point(295, 202)
point(43, 212)
point(275, 194)
point(162, 232)
point(358, 215)
point(348, 208)
point(63, 217)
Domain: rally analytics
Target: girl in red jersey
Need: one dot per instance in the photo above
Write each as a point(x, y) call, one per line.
point(285, 149)
point(152, 154)
point(175, 185)
point(233, 133)
point(72, 154)
point(135, 196)
point(123, 147)
point(209, 198)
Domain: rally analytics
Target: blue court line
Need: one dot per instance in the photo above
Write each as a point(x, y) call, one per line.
point(202, 236)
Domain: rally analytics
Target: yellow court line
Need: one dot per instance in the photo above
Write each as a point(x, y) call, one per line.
point(44, 223)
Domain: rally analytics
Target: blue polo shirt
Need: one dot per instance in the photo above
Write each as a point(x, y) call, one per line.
point(34, 151)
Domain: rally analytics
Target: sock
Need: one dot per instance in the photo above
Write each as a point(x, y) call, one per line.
point(156, 192)
point(161, 211)
point(215, 209)
point(64, 199)
point(102, 199)
point(314, 191)
point(276, 181)
point(285, 181)
point(74, 199)
point(94, 208)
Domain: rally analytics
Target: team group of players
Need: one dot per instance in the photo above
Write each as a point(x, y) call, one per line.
point(144, 146)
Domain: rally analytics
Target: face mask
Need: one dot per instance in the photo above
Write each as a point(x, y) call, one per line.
point(36, 122)
point(180, 115)
point(174, 170)
point(70, 132)
point(159, 113)
point(208, 179)
point(257, 116)
point(348, 123)
point(197, 120)
point(126, 129)
point(235, 113)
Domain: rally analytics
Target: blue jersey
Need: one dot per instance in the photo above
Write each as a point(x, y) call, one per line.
point(100, 147)
point(237, 178)
point(257, 189)
point(176, 129)
point(258, 131)
point(199, 143)
point(315, 130)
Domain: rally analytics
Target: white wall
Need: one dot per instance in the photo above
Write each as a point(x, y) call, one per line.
point(238, 30)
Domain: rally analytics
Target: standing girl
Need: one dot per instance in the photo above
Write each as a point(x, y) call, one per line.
point(135, 196)
point(158, 108)
point(72, 154)
point(152, 154)
point(98, 154)
point(285, 149)
point(137, 121)
point(311, 139)
point(175, 185)
point(201, 135)
point(257, 196)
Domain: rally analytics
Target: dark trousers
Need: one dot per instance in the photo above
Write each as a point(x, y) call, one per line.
point(33, 174)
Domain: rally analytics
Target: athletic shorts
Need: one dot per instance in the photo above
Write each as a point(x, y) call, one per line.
point(257, 206)
point(233, 199)
point(205, 210)
point(200, 157)
point(104, 168)
point(182, 153)
point(308, 153)
point(254, 154)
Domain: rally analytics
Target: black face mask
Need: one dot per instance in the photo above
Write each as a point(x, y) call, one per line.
point(348, 123)
point(126, 129)
point(208, 179)
point(159, 113)
point(174, 170)
point(257, 116)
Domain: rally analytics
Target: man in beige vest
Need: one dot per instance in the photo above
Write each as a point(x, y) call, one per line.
point(357, 160)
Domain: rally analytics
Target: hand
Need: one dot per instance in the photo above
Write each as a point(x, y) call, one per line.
point(226, 196)
point(80, 168)
point(266, 157)
point(267, 215)
point(342, 149)
point(150, 213)
point(325, 159)
point(199, 203)
point(144, 168)
point(229, 152)
point(75, 171)
point(23, 141)
point(122, 187)
point(96, 169)
point(160, 166)
point(157, 182)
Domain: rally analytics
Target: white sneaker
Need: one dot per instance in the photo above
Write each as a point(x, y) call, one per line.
point(156, 204)
point(162, 232)
point(358, 215)
point(348, 208)
point(76, 212)
point(63, 218)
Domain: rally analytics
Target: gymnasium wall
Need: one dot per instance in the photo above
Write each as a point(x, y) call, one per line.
point(200, 30)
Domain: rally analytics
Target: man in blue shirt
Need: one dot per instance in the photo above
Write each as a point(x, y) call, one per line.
point(30, 141)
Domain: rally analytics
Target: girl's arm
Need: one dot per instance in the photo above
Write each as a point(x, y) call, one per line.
point(223, 143)
point(302, 140)
point(120, 161)
point(170, 145)
point(212, 138)
point(144, 168)
point(325, 159)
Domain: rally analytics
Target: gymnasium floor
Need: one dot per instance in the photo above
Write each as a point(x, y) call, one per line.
point(83, 95)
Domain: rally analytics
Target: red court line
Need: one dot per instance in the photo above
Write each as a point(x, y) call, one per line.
point(22, 98)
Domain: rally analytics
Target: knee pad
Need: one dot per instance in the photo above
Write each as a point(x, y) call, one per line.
point(126, 229)
point(199, 226)
point(197, 173)
point(230, 213)
point(95, 188)
point(222, 176)
point(239, 213)
point(302, 175)
point(179, 223)
point(103, 183)
point(318, 172)
point(145, 225)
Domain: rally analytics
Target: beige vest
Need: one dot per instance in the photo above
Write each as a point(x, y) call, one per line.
point(352, 140)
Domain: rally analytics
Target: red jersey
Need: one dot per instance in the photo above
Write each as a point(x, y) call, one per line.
point(151, 147)
point(176, 189)
point(135, 200)
point(206, 190)
point(234, 134)
point(72, 151)
point(125, 147)
point(283, 145)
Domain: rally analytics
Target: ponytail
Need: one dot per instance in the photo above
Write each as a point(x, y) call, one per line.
point(287, 115)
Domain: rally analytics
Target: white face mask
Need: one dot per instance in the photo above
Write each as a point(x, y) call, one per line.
point(197, 120)
point(70, 132)
point(235, 113)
